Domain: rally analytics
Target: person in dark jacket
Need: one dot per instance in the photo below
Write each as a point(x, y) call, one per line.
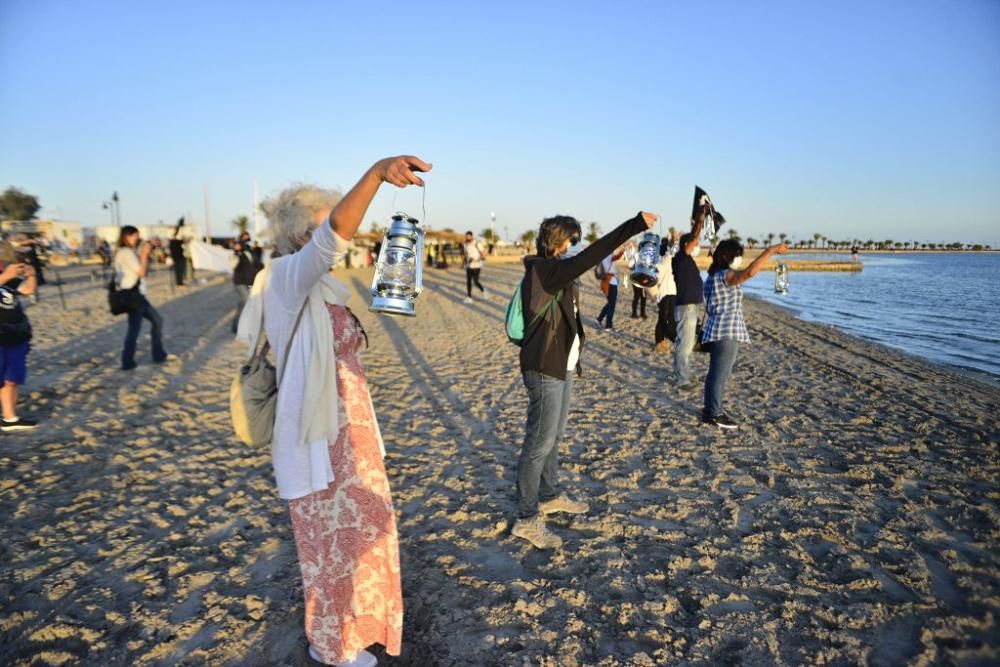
point(247, 265)
point(177, 255)
point(550, 352)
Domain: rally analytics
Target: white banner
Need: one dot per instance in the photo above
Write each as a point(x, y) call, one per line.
point(208, 257)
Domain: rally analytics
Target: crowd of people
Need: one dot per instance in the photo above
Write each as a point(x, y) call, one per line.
point(327, 449)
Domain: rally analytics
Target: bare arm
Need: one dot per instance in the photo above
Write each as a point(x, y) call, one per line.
point(144, 259)
point(349, 212)
point(740, 277)
point(30, 280)
point(696, 228)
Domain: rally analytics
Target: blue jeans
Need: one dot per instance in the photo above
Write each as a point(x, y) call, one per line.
point(609, 307)
point(687, 321)
point(538, 467)
point(722, 356)
point(135, 318)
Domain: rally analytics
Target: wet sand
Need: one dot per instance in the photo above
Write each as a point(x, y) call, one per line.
point(853, 518)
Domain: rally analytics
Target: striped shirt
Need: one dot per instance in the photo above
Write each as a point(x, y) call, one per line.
point(724, 306)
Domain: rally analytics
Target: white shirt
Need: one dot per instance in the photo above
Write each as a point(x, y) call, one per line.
point(665, 285)
point(298, 471)
point(127, 270)
point(574, 351)
point(609, 268)
point(473, 255)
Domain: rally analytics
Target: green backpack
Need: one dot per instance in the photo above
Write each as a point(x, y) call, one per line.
point(516, 331)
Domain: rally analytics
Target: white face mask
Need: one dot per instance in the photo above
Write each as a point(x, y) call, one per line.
point(696, 251)
point(737, 263)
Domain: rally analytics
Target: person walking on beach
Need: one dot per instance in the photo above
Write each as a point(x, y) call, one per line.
point(606, 317)
point(666, 296)
point(131, 265)
point(327, 449)
point(16, 279)
point(247, 265)
point(177, 255)
point(687, 280)
point(725, 327)
point(550, 353)
point(472, 257)
point(638, 297)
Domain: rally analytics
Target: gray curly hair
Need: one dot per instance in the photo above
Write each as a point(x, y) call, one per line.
point(291, 212)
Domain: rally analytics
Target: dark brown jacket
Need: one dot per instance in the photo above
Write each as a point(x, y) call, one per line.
point(546, 347)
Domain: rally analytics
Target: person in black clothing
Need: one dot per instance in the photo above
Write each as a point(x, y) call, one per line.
point(247, 265)
point(550, 352)
point(687, 278)
point(15, 335)
point(177, 255)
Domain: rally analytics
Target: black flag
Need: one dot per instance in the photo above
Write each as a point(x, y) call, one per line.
point(714, 220)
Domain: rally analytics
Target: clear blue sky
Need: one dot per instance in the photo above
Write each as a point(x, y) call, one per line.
point(871, 120)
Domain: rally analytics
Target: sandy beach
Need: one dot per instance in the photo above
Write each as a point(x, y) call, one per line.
point(853, 519)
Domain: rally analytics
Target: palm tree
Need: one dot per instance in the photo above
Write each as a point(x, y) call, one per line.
point(734, 235)
point(242, 223)
point(489, 235)
point(528, 238)
point(770, 238)
point(593, 233)
point(782, 236)
point(751, 242)
point(816, 237)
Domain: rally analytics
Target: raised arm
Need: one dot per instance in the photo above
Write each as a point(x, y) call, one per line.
point(696, 227)
point(349, 212)
point(740, 277)
point(560, 274)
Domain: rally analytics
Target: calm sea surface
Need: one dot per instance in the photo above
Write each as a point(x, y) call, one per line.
point(944, 307)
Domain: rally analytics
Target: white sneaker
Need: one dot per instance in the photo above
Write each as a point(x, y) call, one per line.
point(363, 659)
point(467, 300)
point(534, 531)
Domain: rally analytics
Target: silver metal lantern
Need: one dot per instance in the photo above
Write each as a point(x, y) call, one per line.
point(781, 278)
point(398, 277)
point(647, 258)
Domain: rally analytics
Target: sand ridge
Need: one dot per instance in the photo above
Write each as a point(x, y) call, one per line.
point(853, 518)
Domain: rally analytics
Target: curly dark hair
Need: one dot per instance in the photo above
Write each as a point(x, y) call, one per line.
point(724, 255)
point(553, 232)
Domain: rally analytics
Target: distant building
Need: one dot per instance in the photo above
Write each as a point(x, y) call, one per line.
point(65, 232)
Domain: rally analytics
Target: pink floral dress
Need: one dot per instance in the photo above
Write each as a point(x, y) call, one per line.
point(346, 535)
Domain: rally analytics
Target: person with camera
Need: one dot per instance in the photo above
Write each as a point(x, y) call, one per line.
point(131, 265)
point(16, 279)
point(248, 264)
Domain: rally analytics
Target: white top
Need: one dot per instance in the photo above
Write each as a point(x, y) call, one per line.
point(473, 255)
point(298, 471)
point(574, 351)
point(609, 268)
point(127, 270)
point(665, 285)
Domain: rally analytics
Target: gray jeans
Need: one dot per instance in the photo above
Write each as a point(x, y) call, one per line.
point(687, 320)
point(538, 467)
point(242, 293)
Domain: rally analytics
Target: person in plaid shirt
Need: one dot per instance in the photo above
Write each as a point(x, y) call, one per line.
point(725, 327)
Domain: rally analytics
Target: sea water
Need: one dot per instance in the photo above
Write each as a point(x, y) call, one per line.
point(942, 306)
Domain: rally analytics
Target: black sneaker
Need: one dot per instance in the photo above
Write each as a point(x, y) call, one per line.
point(17, 425)
point(721, 421)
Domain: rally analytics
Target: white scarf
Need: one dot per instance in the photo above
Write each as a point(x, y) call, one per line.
point(319, 410)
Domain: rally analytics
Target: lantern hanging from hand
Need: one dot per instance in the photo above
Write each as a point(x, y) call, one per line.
point(647, 258)
point(398, 275)
point(781, 278)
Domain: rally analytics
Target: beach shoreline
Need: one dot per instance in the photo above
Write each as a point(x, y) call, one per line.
point(853, 517)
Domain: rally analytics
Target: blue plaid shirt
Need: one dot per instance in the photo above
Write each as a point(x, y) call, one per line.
point(724, 306)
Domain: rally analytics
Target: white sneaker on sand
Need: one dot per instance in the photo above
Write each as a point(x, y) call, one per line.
point(363, 659)
point(467, 299)
point(563, 503)
point(534, 531)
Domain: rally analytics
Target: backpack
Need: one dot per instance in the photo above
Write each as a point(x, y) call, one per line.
point(599, 272)
point(514, 319)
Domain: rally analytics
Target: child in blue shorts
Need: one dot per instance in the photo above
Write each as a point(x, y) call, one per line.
point(16, 279)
